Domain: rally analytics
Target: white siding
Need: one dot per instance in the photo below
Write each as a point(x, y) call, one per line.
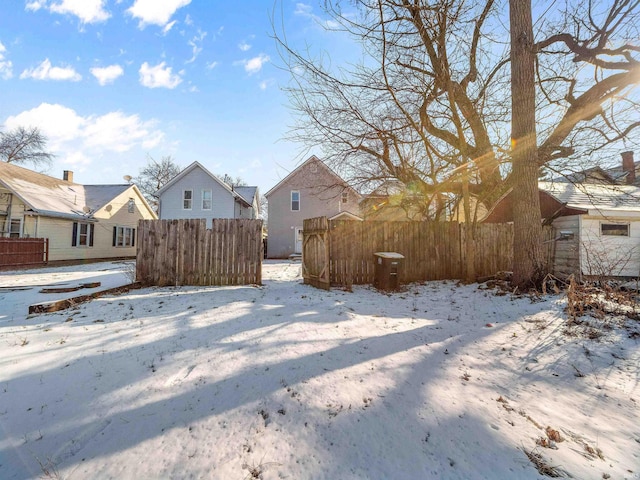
point(196, 180)
point(609, 255)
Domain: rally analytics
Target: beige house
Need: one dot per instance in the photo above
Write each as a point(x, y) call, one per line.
point(311, 190)
point(81, 221)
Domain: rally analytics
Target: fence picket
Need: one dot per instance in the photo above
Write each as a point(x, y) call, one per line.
point(185, 252)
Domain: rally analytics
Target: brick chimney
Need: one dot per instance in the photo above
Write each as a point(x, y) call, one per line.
point(67, 175)
point(629, 167)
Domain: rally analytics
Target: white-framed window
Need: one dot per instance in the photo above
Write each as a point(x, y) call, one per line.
point(82, 235)
point(614, 229)
point(124, 236)
point(295, 201)
point(345, 197)
point(187, 199)
point(15, 228)
point(206, 200)
point(131, 205)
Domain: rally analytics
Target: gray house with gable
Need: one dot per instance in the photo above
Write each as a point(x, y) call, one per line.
point(197, 193)
point(311, 190)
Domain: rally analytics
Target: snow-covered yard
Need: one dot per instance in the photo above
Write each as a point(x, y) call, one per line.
point(441, 381)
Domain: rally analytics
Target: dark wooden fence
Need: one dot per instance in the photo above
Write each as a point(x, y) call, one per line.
point(432, 250)
point(185, 252)
point(23, 251)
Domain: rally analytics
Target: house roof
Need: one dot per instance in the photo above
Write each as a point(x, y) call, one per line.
point(563, 198)
point(595, 196)
point(619, 175)
point(309, 160)
point(387, 188)
point(50, 196)
point(345, 216)
point(248, 193)
point(196, 165)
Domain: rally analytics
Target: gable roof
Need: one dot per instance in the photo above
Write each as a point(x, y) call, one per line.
point(248, 193)
point(563, 198)
point(53, 197)
point(190, 169)
point(309, 160)
point(595, 196)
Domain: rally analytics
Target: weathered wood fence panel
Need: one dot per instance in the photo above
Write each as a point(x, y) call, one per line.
point(185, 252)
point(432, 250)
point(315, 252)
point(23, 251)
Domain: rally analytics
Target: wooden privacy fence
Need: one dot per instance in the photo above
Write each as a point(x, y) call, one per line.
point(23, 251)
point(432, 250)
point(185, 252)
point(315, 252)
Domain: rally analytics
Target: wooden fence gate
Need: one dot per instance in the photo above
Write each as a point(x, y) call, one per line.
point(315, 252)
point(185, 252)
point(23, 251)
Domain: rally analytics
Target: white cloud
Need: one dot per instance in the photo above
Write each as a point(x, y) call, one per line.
point(158, 76)
point(155, 12)
point(88, 11)
point(211, 65)
point(304, 10)
point(106, 75)
point(196, 45)
point(75, 138)
point(45, 71)
point(244, 46)
point(35, 5)
point(254, 65)
point(119, 132)
point(6, 67)
point(75, 158)
point(168, 27)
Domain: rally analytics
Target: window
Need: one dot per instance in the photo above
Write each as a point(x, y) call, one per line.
point(187, 199)
point(345, 197)
point(124, 237)
point(131, 206)
point(82, 235)
point(206, 199)
point(15, 228)
point(295, 201)
point(615, 229)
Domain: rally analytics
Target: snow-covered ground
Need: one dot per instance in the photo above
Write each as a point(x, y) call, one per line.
point(441, 381)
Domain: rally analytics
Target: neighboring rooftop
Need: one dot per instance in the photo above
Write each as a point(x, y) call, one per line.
point(51, 196)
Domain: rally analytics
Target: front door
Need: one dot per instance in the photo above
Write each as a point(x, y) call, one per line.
point(298, 240)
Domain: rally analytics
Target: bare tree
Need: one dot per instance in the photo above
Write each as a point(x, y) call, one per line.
point(430, 103)
point(231, 181)
point(154, 176)
point(25, 145)
point(528, 261)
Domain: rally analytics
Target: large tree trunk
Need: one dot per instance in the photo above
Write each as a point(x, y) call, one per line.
point(528, 264)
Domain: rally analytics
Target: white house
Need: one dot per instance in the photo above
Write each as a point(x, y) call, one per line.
point(197, 193)
point(597, 226)
point(81, 221)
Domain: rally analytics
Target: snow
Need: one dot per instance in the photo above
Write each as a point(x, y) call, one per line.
point(283, 380)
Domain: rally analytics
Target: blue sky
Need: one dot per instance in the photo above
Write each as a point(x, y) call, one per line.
point(109, 81)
